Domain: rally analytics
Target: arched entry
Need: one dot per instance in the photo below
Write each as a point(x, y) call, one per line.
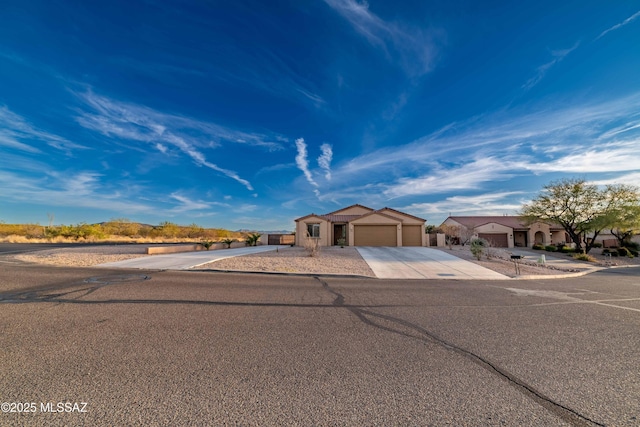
point(539, 238)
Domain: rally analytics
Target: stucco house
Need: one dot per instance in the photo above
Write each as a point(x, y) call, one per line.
point(509, 231)
point(362, 226)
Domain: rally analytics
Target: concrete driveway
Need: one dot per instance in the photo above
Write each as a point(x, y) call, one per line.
point(186, 260)
point(422, 263)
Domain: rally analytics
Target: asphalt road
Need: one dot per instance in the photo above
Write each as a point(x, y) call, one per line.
point(201, 348)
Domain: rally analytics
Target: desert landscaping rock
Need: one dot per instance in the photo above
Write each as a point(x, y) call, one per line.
point(329, 260)
point(85, 256)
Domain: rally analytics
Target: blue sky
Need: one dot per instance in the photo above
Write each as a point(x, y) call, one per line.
point(251, 114)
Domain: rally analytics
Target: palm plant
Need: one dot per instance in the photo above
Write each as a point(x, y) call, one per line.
point(252, 239)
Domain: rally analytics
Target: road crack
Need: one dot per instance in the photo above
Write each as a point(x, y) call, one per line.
point(417, 332)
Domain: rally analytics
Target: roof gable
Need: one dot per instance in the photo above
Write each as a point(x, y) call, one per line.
point(311, 216)
point(393, 212)
point(477, 221)
point(394, 219)
point(352, 210)
point(511, 221)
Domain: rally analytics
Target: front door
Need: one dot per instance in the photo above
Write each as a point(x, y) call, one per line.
point(339, 232)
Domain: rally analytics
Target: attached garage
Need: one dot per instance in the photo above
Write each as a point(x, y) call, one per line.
point(362, 226)
point(375, 235)
point(497, 240)
point(412, 235)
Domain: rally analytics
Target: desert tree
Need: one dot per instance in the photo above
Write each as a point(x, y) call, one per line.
point(583, 210)
point(624, 215)
point(451, 234)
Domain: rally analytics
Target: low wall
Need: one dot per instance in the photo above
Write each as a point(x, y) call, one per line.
point(172, 249)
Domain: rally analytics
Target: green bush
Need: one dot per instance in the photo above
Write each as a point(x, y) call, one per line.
point(478, 247)
point(566, 249)
point(610, 252)
point(584, 257)
point(623, 252)
point(597, 245)
point(550, 248)
point(537, 247)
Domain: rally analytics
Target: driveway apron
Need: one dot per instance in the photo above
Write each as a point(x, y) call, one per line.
point(186, 260)
point(422, 263)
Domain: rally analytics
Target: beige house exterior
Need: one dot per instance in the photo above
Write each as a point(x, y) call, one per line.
point(362, 226)
point(510, 231)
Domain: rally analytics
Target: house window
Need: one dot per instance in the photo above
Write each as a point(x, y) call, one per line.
point(313, 230)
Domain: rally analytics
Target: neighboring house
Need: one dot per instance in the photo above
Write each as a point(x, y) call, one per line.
point(362, 226)
point(509, 231)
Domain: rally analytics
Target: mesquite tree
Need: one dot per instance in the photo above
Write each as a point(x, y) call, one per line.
point(582, 209)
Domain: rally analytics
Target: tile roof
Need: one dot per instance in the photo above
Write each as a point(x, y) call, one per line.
point(515, 222)
point(340, 218)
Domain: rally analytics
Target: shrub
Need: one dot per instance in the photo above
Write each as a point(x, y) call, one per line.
point(537, 247)
point(478, 247)
point(312, 246)
point(252, 239)
point(597, 245)
point(566, 249)
point(623, 252)
point(550, 248)
point(207, 244)
point(632, 245)
point(342, 242)
point(227, 242)
point(633, 251)
point(584, 257)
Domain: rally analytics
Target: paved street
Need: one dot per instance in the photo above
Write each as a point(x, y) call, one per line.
point(196, 348)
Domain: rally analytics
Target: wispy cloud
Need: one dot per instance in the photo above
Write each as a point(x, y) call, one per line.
point(494, 147)
point(324, 161)
point(541, 71)
point(467, 176)
point(271, 72)
point(414, 47)
point(482, 204)
point(78, 190)
point(17, 133)
point(619, 25)
point(165, 131)
point(303, 163)
point(626, 178)
point(185, 204)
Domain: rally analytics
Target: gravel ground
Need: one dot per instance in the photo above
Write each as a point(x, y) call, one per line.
point(330, 260)
point(84, 256)
point(501, 263)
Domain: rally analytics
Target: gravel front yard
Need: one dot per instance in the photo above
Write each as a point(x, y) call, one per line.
point(329, 260)
point(85, 256)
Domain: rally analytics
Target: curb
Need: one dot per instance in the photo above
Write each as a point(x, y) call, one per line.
point(281, 273)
